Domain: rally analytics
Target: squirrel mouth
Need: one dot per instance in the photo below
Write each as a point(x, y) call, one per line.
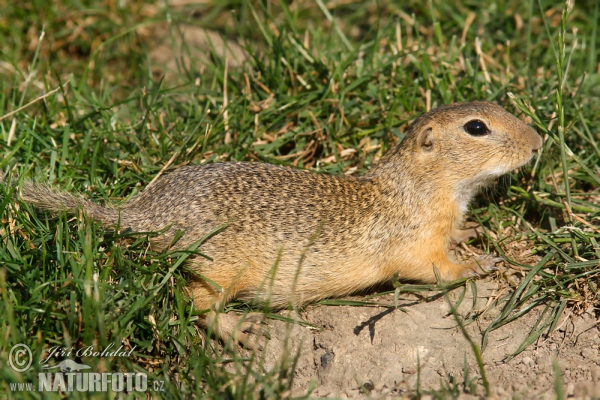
point(526, 160)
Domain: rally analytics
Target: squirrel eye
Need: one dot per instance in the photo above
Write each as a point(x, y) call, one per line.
point(476, 128)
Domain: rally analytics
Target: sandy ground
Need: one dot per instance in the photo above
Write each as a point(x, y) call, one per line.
point(375, 352)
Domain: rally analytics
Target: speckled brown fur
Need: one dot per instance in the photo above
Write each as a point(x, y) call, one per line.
point(320, 236)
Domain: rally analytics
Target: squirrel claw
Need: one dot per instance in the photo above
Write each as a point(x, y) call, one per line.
point(481, 265)
point(486, 263)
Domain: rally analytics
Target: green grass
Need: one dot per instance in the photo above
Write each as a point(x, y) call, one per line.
point(326, 87)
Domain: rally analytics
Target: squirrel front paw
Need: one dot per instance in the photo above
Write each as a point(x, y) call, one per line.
point(481, 265)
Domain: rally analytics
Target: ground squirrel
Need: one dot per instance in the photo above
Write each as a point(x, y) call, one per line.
point(297, 236)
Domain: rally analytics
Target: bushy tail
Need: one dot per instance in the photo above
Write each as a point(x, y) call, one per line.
point(47, 198)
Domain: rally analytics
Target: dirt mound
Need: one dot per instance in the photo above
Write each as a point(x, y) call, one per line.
point(378, 352)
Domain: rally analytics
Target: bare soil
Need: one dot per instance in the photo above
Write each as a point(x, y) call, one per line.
point(378, 352)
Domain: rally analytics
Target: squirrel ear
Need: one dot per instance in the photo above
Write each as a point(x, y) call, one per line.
point(425, 139)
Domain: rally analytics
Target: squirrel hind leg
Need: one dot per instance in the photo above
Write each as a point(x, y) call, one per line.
point(230, 328)
point(235, 329)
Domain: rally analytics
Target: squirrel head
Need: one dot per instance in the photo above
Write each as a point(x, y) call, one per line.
point(459, 148)
point(470, 144)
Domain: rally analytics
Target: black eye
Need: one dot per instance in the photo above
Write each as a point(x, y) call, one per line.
point(476, 128)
